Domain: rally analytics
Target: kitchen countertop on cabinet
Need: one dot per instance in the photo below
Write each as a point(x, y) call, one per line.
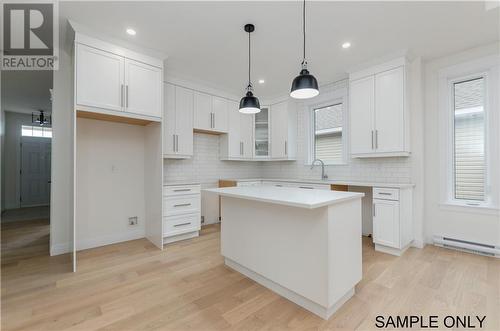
point(327, 182)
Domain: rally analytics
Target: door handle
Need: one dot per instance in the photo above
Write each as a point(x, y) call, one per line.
point(126, 93)
point(121, 95)
point(182, 224)
point(183, 205)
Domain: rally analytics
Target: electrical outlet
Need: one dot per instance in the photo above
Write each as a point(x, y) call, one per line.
point(133, 220)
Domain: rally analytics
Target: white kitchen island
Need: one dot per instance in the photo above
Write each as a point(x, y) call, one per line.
point(302, 244)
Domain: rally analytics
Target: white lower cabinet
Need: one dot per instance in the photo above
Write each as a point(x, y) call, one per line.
point(392, 219)
point(181, 212)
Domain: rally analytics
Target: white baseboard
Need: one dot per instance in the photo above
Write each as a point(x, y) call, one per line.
point(109, 239)
point(313, 307)
point(58, 249)
point(418, 243)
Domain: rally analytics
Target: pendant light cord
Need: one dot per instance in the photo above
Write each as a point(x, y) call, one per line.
point(249, 61)
point(304, 62)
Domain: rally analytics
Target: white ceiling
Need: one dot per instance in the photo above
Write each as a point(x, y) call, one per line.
point(205, 41)
point(25, 91)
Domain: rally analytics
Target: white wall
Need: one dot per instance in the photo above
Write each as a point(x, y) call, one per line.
point(109, 182)
point(439, 220)
point(11, 189)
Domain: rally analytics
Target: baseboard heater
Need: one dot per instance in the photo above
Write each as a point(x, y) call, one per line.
point(467, 246)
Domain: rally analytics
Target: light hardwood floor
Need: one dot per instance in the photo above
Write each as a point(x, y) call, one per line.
point(134, 286)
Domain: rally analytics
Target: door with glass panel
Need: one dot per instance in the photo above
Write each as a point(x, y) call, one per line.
point(261, 133)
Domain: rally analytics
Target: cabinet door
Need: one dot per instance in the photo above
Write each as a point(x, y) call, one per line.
point(361, 96)
point(234, 134)
point(246, 135)
point(279, 130)
point(184, 120)
point(203, 111)
point(219, 116)
point(143, 88)
point(389, 110)
point(99, 78)
point(386, 223)
point(169, 119)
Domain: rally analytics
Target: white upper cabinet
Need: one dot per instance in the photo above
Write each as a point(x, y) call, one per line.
point(283, 130)
point(99, 78)
point(143, 88)
point(379, 117)
point(116, 81)
point(362, 115)
point(210, 113)
point(237, 144)
point(178, 122)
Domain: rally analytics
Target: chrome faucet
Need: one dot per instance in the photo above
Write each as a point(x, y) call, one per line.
point(323, 175)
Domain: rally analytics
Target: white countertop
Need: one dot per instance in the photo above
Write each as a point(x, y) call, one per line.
point(289, 196)
point(328, 181)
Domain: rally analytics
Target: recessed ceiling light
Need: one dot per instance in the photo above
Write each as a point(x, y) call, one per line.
point(131, 32)
point(261, 81)
point(346, 45)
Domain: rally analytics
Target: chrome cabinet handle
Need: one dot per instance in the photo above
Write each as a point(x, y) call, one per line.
point(384, 193)
point(126, 93)
point(177, 143)
point(307, 187)
point(372, 140)
point(182, 224)
point(286, 147)
point(376, 139)
point(182, 205)
point(374, 213)
point(182, 190)
point(121, 96)
point(213, 115)
point(173, 142)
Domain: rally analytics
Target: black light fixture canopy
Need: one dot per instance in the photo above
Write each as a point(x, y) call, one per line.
point(305, 85)
point(249, 104)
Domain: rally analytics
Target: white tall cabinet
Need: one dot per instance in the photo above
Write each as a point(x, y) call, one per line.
point(117, 145)
point(379, 114)
point(178, 122)
point(283, 117)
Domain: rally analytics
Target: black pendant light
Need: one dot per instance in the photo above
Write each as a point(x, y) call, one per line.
point(304, 86)
point(249, 104)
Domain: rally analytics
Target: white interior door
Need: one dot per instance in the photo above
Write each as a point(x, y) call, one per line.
point(386, 223)
point(99, 78)
point(361, 112)
point(389, 110)
point(35, 171)
point(143, 88)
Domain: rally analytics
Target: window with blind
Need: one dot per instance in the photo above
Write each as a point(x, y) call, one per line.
point(328, 142)
point(469, 161)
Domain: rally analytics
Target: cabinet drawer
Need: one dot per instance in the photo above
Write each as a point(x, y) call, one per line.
point(175, 225)
point(311, 186)
point(386, 193)
point(181, 190)
point(183, 204)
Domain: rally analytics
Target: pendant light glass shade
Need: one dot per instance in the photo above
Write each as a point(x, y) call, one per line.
point(249, 104)
point(305, 85)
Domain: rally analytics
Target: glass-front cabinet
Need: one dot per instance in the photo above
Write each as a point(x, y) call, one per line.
point(261, 133)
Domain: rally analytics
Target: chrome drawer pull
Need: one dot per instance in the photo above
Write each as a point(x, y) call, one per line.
point(182, 205)
point(384, 193)
point(307, 187)
point(182, 190)
point(182, 224)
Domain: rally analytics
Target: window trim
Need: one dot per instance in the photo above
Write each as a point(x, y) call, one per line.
point(334, 97)
point(488, 69)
